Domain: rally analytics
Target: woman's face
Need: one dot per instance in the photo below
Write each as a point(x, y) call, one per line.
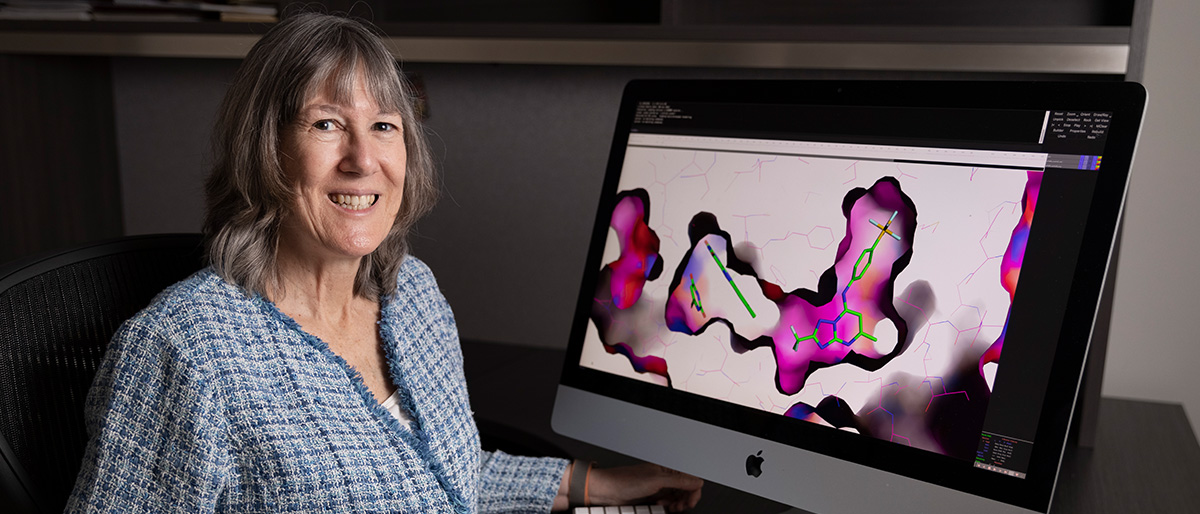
point(347, 163)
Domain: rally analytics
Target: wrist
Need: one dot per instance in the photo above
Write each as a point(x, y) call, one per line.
point(578, 490)
point(600, 490)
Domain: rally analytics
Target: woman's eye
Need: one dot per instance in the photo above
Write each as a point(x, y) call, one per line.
point(384, 126)
point(323, 125)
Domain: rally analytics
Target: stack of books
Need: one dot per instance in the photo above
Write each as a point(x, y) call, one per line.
point(141, 10)
point(45, 10)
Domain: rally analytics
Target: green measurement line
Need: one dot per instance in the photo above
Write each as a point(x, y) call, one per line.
point(730, 279)
point(744, 302)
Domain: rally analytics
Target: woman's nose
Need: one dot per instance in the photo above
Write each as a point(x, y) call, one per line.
point(360, 155)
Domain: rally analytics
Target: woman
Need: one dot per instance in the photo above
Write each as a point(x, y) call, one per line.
point(314, 366)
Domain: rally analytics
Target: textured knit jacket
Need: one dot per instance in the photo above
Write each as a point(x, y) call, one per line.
point(210, 400)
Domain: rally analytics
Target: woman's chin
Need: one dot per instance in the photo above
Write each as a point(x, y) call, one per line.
point(365, 245)
point(358, 249)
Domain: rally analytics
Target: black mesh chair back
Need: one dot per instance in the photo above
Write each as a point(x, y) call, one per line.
point(57, 314)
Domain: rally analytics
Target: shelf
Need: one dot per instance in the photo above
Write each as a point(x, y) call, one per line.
point(1082, 50)
point(793, 33)
point(776, 33)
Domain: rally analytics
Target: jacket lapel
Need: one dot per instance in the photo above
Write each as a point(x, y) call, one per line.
point(426, 362)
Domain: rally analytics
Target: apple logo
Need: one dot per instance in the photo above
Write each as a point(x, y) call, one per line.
point(754, 464)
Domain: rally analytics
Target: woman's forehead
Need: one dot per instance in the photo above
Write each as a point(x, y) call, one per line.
point(340, 86)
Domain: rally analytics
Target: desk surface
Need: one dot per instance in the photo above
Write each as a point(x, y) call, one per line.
point(1146, 457)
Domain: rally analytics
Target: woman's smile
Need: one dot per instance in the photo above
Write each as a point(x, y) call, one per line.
point(353, 202)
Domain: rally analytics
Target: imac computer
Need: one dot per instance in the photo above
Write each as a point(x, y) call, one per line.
point(850, 296)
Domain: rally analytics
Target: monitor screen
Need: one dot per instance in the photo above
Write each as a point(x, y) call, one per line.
point(866, 292)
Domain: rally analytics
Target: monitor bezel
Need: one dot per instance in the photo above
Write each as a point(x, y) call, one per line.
point(1125, 100)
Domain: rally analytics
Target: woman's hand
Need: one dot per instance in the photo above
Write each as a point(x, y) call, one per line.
point(643, 484)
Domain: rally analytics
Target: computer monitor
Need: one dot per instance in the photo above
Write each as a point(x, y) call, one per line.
point(850, 296)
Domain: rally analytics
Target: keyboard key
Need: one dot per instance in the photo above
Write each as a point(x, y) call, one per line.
point(624, 509)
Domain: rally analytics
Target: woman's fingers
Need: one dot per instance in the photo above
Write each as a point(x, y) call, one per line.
point(640, 483)
point(680, 480)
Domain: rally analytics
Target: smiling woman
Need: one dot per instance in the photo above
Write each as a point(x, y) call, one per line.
point(347, 166)
point(314, 366)
point(298, 78)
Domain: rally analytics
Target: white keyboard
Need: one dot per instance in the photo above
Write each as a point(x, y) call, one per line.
point(626, 509)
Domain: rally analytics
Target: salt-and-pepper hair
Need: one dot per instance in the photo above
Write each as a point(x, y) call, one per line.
point(247, 195)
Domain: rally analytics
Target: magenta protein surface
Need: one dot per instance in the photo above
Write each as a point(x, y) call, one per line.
point(820, 328)
point(857, 294)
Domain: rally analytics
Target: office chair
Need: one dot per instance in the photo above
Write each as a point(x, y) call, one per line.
point(57, 314)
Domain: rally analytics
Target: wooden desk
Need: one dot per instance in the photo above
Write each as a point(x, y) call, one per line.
point(1146, 458)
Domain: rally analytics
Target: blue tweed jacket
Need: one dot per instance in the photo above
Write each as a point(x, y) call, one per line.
point(213, 401)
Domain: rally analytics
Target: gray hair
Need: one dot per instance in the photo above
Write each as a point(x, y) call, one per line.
point(247, 194)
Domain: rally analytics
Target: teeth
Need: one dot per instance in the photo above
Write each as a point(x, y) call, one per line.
point(354, 202)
